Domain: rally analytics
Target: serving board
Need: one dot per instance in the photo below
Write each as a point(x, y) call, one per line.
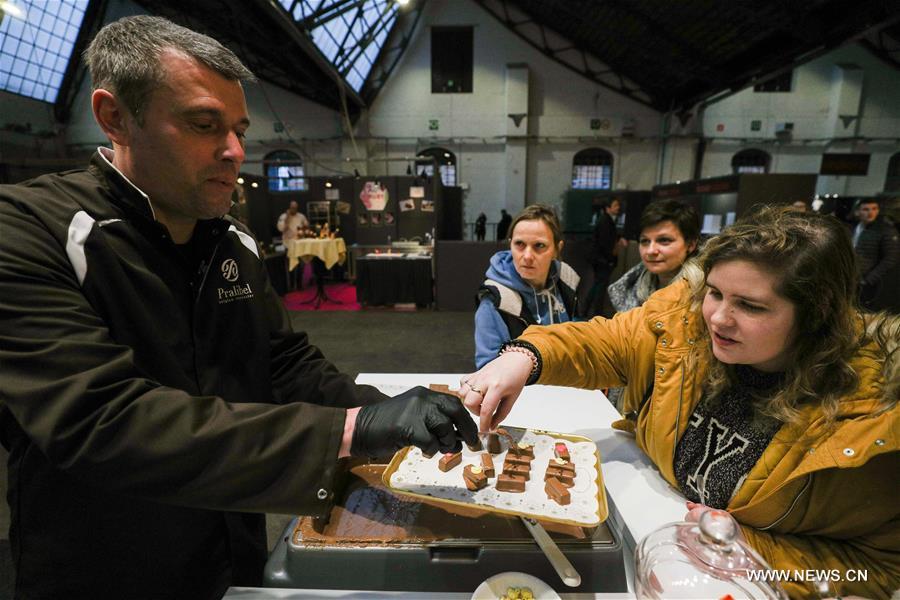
point(411, 473)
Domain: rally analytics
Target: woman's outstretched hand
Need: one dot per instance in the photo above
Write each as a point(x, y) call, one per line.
point(491, 391)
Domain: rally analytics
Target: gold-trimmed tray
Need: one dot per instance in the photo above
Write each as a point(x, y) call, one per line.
point(445, 489)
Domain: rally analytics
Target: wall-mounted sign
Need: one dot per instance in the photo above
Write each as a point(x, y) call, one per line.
point(332, 194)
point(844, 164)
point(433, 124)
point(416, 192)
point(374, 196)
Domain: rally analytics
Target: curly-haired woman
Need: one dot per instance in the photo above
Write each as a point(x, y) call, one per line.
point(758, 388)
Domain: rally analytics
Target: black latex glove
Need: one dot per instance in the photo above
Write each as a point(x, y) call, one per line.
point(419, 417)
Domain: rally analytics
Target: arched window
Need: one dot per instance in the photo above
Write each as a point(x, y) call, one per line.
point(592, 170)
point(750, 161)
point(285, 171)
point(446, 161)
point(892, 181)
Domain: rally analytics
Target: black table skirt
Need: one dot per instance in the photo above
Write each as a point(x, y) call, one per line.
point(393, 281)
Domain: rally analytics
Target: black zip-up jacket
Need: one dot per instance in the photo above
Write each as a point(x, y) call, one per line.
point(153, 398)
point(605, 238)
point(877, 250)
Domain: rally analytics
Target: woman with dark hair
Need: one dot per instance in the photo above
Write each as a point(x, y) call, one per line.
point(758, 388)
point(525, 285)
point(670, 232)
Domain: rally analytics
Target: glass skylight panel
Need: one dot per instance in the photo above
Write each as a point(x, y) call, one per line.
point(342, 39)
point(37, 46)
point(324, 41)
point(355, 79)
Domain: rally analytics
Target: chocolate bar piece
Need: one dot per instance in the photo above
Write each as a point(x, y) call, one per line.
point(510, 483)
point(557, 492)
point(449, 460)
point(518, 470)
point(562, 464)
point(440, 387)
point(474, 477)
point(476, 447)
point(522, 450)
point(567, 478)
point(493, 443)
point(561, 451)
point(487, 463)
point(518, 460)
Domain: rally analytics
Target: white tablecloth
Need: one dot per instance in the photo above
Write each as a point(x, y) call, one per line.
point(331, 251)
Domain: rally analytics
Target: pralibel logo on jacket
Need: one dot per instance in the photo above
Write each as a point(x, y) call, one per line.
point(230, 273)
point(230, 270)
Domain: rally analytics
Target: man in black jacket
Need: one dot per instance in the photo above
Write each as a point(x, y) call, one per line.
point(154, 398)
point(877, 250)
point(503, 225)
point(605, 253)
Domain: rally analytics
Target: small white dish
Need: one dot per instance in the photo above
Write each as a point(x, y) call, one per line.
point(495, 587)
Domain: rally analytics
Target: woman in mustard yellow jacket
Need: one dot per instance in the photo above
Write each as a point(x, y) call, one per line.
point(758, 388)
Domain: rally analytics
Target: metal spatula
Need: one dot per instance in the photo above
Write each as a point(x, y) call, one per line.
point(557, 559)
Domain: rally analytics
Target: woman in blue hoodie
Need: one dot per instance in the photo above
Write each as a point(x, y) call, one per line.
point(525, 285)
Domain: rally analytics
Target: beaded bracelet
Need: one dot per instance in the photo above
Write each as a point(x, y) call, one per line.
point(531, 352)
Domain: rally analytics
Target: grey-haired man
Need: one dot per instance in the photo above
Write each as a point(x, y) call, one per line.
point(154, 399)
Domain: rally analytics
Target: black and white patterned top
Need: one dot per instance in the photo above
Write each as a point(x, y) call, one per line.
point(724, 439)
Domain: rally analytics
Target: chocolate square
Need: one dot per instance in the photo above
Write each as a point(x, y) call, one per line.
point(474, 477)
point(567, 478)
point(560, 450)
point(487, 463)
point(517, 470)
point(557, 492)
point(493, 443)
point(449, 460)
point(510, 483)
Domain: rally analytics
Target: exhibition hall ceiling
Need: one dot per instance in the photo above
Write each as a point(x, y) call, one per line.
point(671, 56)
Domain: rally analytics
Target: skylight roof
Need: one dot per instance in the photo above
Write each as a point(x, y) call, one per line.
point(349, 33)
point(36, 44)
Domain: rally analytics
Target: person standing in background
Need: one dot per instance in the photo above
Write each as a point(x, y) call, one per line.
point(292, 222)
point(877, 249)
point(503, 225)
point(605, 253)
point(480, 227)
